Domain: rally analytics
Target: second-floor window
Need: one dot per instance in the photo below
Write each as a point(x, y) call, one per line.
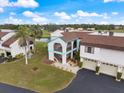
point(89, 49)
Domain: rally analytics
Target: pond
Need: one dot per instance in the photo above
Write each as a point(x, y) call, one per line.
point(43, 40)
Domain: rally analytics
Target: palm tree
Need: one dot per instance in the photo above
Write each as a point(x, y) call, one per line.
point(36, 32)
point(23, 35)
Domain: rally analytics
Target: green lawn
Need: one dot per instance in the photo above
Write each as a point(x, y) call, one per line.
point(120, 31)
point(46, 33)
point(46, 79)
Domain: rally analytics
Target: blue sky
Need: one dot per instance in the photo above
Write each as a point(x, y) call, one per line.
point(61, 11)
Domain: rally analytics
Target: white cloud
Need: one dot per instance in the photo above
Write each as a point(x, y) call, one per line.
point(62, 15)
point(106, 1)
point(12, 20)
point(1, 10)
point(83, 17)
point(121, 22)
point(25, 3)
point(40, 20)
point(35, 17)
point(12, 13)
point(30, 14)
point(104, 22)
point(105, 16)
point(19, 3)
point(114, 13)
point(4, 3)
point(81, 13)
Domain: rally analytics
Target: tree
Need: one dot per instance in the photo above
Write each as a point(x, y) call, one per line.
point(22, 34)
point(35, 32)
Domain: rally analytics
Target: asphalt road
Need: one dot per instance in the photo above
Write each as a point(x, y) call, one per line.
point(87, 82)
point(5, 88)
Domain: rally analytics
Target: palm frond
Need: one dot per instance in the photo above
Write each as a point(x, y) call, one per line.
point(23, 35)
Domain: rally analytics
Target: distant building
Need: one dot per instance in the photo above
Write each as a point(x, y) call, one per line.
point(118, 27)
point(69, 28)
point(91, 29)
point(80, 29)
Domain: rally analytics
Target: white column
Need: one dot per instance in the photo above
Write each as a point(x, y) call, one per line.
point(72, 48)
point(50, 51)
point(78, 45)
point(5, 55)
point(51, 56)
point(64, 57)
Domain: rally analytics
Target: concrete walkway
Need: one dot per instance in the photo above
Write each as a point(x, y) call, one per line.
point(66, 67)
point(5, 88)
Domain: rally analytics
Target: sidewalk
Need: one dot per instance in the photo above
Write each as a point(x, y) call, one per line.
point(66, 67)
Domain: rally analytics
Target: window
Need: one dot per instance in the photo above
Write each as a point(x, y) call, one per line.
point(31, 48)
point(30, 42)
point(89, 49)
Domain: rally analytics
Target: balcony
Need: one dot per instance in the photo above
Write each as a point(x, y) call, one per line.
point(68, 47)
point(58, 47)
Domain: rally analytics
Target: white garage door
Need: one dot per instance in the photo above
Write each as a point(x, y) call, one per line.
point(108, 69)
point(89, 65)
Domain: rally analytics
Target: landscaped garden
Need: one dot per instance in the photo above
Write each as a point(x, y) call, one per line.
point(37, 75)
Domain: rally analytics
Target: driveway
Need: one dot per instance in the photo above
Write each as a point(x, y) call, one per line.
point(5, 88)
point(87, 82)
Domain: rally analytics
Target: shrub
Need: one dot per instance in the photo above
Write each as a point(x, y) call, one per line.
point(10, 59)
point(80, 64)
point(32, 51)
point(19, 56)
point(35, 68)
point(119, 75)
point(77, 56)
point(2, 54)
point(97, 69)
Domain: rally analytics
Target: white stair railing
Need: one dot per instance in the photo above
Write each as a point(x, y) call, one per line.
point(55, 59)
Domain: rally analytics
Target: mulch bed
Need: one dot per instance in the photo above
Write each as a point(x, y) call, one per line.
point(47, 61)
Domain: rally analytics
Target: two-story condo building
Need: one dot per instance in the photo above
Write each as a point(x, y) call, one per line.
point(9, 45)
point(96, 49)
